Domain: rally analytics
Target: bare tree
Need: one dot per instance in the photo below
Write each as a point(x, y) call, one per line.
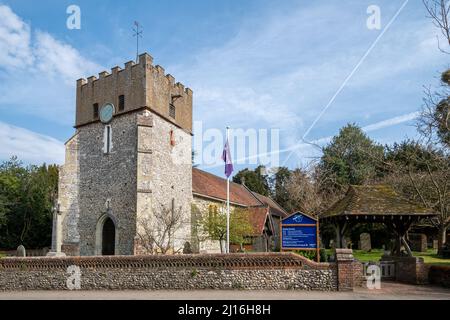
point(422, 174)
point(307, 191)
point(157, 234)
point(434, 121)
point(439, 12)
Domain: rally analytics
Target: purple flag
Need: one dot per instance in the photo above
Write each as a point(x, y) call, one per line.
point(226, 156)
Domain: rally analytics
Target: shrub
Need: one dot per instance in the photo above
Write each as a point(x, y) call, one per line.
point(194, 273)
point(311, 255)
point(323, 255)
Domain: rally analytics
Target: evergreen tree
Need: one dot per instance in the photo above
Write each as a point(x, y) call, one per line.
point(279, 190)
point(351, 158)
point(256, 180)
point(27, 195)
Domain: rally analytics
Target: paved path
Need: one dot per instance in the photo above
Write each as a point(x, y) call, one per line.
point(389, 291)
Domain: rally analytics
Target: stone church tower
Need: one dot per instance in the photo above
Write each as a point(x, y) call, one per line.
point(129, 159)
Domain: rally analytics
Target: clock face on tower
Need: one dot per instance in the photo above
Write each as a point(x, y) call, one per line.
point(107, 113)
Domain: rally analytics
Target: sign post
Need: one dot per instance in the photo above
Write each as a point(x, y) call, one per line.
point(300, 232)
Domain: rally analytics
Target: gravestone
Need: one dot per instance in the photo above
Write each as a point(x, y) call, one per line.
point(187, 248)
point(435, 244)
point(21, 252)
point(332, 244)
point(347, 243)
point(365, 242)
point(418, 242)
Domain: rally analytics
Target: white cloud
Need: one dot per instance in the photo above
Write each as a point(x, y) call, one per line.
point(39, 71)
point(282, 68)
point(29, 146)
point(58, 59)
point(312, 149)
point(15, 36)
point(391, 122)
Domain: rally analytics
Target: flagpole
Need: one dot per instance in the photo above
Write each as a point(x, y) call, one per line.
point(228, 203)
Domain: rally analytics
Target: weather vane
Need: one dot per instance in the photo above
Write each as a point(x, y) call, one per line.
point(138, 34)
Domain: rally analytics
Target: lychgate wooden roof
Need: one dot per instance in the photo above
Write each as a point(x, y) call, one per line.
point(374, 200)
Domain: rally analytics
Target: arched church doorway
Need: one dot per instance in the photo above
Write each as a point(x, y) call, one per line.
point(108, 238)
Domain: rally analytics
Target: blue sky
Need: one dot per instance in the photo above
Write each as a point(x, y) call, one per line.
point(252, 64)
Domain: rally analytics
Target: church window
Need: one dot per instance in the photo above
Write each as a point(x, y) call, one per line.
point(172, 138)
point(107, 140)
point(121, 103)
point(172, 111)
point(95, 109)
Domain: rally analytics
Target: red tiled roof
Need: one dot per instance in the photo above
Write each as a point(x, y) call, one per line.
point(258, 217)
point(208, 185)
point(275, 208)
point(211, 186)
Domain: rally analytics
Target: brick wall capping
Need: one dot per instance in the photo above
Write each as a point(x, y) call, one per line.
point(344, 255)
point(209, 261)
point(283, 271)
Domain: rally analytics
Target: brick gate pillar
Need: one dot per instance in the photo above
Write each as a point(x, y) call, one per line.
point(345, 272)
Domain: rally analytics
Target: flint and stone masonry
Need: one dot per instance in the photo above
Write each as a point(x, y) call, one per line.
point(146, 168)
point(274, 271)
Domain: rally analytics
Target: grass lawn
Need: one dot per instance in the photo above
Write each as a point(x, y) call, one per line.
point(430, 257)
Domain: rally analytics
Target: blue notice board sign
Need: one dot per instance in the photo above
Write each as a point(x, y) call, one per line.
point(299, 232)
point(299, 237)
point(299, 218)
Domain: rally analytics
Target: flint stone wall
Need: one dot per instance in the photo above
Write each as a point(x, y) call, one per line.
point(107, 177)
point(411, 270)
point(439, 275)
point(245, 272)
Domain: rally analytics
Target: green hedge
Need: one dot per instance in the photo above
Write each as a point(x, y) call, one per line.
point(311, 255)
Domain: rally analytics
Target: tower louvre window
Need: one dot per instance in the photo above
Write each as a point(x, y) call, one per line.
point(95, 110)
point(172, 138)
point(121, 102)
point(172, 111)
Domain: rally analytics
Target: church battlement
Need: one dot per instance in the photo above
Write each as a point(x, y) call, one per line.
point(142, 85)
point(144, 60)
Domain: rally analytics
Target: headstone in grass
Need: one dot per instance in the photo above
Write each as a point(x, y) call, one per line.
point(21, 252)
point(187, 248)
point(365, 242)
point(418, 242)
point(435, 244)
point(332, 244)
